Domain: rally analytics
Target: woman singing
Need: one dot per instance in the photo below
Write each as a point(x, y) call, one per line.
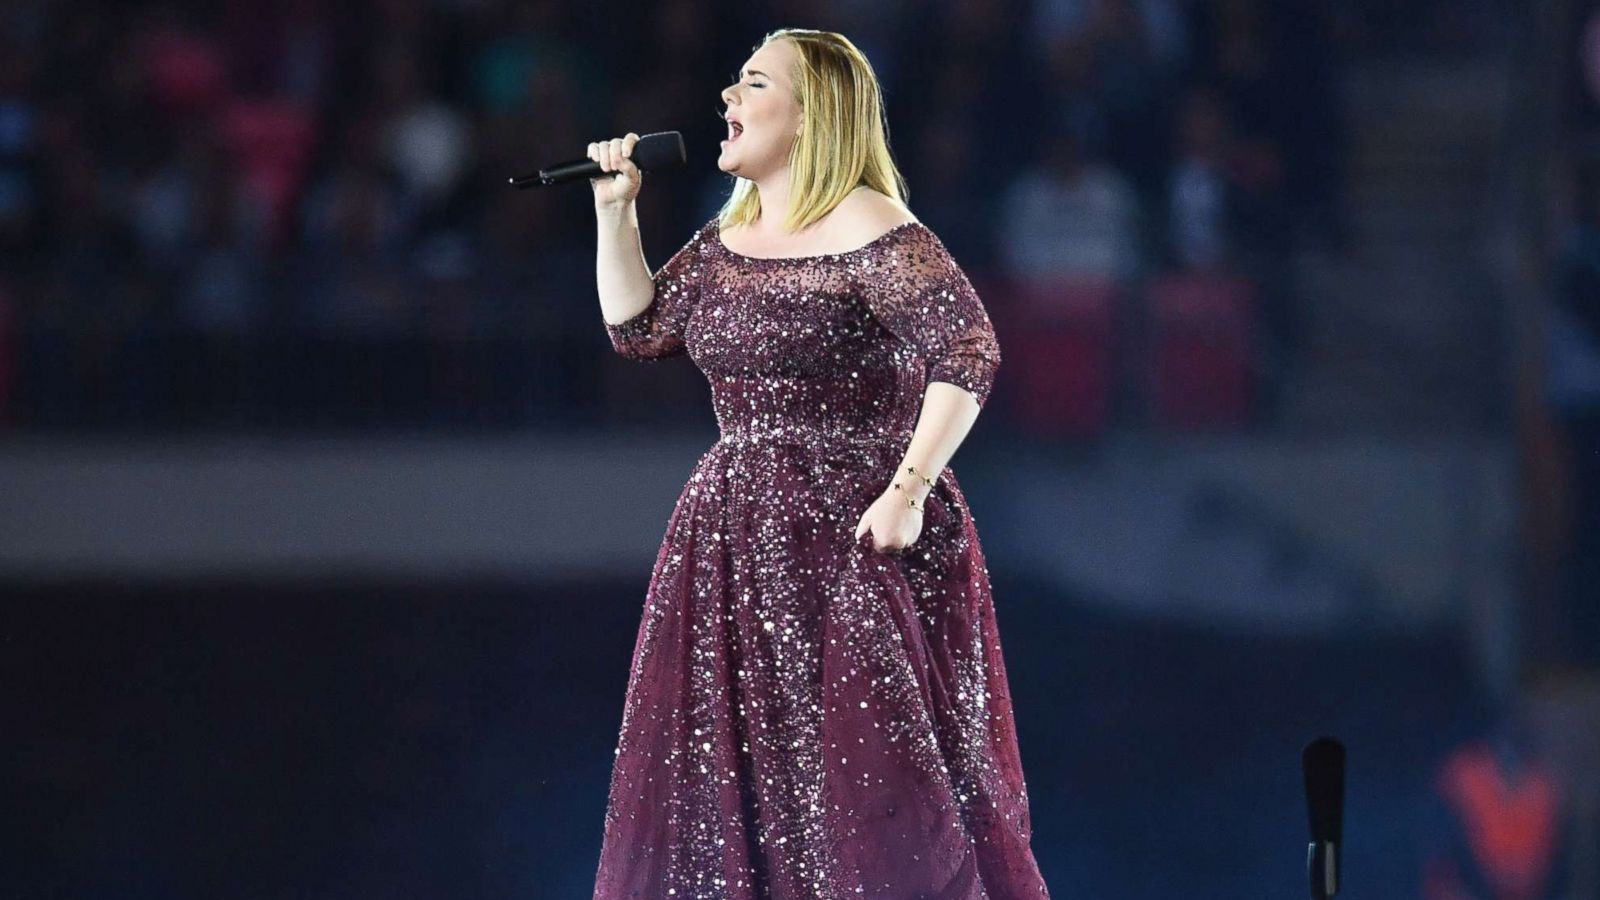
point(817, 706)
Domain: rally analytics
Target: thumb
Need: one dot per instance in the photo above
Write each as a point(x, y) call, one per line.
point(861, 527)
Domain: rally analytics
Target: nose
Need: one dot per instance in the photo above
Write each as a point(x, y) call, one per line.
point(727, 96)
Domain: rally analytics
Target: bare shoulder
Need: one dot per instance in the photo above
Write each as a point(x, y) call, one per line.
point(866, 214)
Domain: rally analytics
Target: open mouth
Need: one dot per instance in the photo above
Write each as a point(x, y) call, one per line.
point(734, 130)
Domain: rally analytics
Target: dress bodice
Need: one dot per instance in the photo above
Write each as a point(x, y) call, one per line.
point(832, 347)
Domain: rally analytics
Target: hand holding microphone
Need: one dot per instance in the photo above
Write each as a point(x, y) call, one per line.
point(624, 159)
point(613, 156)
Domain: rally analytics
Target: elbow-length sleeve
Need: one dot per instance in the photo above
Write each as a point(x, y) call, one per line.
point(924, 298)
point(657, 331)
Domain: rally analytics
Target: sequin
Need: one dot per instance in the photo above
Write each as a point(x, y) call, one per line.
point(771, 640)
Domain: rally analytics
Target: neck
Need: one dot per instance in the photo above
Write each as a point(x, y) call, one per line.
point(774, 193)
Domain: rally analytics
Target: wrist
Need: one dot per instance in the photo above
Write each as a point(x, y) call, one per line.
point(910, 481)
point(909, 487)
point(616, 214)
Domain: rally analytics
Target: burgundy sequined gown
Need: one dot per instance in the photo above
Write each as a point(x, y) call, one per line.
point(807, 717)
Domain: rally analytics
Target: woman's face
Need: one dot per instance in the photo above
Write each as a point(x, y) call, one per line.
point(762, 103)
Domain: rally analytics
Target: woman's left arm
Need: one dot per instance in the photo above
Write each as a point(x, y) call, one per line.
point(936, 311)
point(947, 416)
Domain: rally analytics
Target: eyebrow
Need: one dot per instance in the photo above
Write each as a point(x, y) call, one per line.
point(756, 72)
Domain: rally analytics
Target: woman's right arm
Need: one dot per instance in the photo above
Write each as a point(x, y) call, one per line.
point(620, 272)
point(644, 314)
point(621, 275)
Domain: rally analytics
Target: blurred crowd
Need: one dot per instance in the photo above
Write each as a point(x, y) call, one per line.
point(297, 213)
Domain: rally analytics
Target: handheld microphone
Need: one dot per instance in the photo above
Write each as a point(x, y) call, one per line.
point(1323, 765)
point(661, 150)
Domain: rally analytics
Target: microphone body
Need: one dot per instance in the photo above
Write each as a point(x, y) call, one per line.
point(1323, 765)
point(652, 152)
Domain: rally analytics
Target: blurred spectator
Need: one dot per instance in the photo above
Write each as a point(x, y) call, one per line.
point(21, 213)
point(947, 196)
point(357, 220)
point(1500, 828)
point(1054, 19)
point(527, 45)
point(287, 49)
point(1074, 96)
point(353, 292)
point(1229, 220)
point(358, 206)
point(1226, 205)
point(162, 202)
point(186, 73)
point(1069, 218)
point(222, 298)
point(982, 77)
point(272, 141)
point(425, 141)
point(1271, 67)
point(1264, 243)
point(1572, 391)
point(1199, 225)
point(1131, 81)
point(874, 28)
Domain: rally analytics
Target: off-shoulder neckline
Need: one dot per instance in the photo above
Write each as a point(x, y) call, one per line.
point(716, 232)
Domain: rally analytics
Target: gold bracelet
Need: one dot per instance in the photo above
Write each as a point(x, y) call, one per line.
point(910, 502)
point(925, 479)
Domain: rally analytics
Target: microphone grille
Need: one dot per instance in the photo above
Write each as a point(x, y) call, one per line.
point(659, 150)
point(1323, 764)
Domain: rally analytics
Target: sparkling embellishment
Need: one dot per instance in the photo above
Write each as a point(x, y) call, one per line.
point(767, 622)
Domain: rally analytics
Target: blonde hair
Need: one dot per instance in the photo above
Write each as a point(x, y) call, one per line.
point(843, 141)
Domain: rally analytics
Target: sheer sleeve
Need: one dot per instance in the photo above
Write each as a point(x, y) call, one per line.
point(657, 331)
point(922, 297)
